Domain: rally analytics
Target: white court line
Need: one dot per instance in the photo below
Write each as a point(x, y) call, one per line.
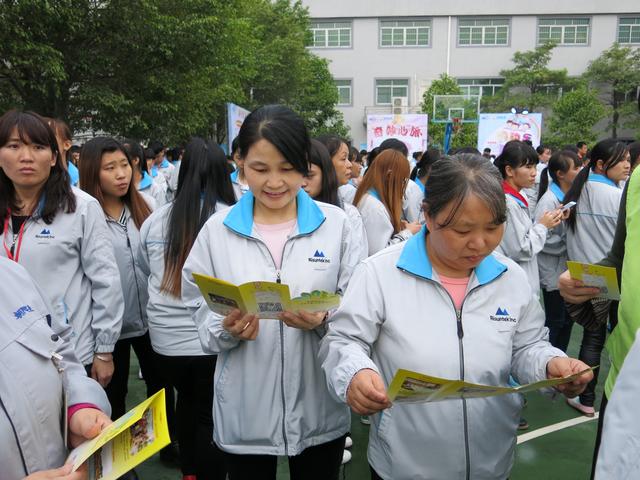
point(525, 437)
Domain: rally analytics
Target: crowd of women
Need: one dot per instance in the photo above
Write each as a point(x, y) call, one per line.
point(440, 269)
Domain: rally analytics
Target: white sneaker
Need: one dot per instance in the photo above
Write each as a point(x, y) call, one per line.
point(140, 377)
point(364, 419)
point(346, 456)
point(348, 443)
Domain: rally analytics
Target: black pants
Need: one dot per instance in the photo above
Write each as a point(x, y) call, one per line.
point(149, 365)
point(192, 376)
point(557, 319)
point(591, 352)
point(320, 462)
point(596, 448)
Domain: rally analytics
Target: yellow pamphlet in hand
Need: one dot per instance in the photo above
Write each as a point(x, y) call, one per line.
point(413, 387)
point(127, 442)
point(265, 299)
point(604, 278)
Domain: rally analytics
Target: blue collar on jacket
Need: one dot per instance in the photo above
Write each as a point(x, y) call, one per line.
point(165, 163)
point(420, 184)
point(154, 171)
point(145, 182)
point(240, 218)
point(74, 174)
point(234, 176)
point(518, 201)
point(374, 193)
point(415, 260)
point(557, 191)
point(596, 177)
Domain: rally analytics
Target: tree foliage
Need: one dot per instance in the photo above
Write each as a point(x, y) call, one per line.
point(617, 69)
point(530, 83)
point(574, 116)
point(160, 68)
point(467, 136)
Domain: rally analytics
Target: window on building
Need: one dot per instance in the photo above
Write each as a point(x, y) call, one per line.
point(564, 31)
point(331, 34)
point(483, 31)
point(388, 89)
point(344, 91)
point(480, 86)
point(629, 30)
point(405, 33)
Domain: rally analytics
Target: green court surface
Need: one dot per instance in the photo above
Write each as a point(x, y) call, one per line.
point(562, 454)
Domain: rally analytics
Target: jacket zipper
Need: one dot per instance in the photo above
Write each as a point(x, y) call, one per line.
point(135, 278)
point(460, 334)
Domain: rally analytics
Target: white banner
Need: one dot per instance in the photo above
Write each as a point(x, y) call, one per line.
point(408, 128)
point(496, 129)
point(235, 117)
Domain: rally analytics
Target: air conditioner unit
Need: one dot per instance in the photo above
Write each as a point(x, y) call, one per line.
point(399, 105)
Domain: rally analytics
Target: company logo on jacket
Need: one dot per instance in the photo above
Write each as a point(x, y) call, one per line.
point(502, 315)
point(318, 257)
point(45, 233)
point(22, 311)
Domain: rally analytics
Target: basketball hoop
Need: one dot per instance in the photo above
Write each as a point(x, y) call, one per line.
point(457, 124)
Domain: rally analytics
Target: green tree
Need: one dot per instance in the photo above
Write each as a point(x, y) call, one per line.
point(574, 116)
point(467, 136)
point(618, 70)
point(530, 83)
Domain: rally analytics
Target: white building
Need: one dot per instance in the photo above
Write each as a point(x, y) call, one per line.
point(383, 50)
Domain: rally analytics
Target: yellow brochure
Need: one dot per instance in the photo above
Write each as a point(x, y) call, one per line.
point(127, 442)
point(412, 387)
point(265, 299)
point(604, 278)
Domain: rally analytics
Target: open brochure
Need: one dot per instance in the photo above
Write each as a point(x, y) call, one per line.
point(604, 278)
point(127, 442)
point(413, 387)
point(265, 299)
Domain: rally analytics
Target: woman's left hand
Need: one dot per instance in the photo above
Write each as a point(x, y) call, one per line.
point(559, 367)
point(303, 320)
point(85, 424)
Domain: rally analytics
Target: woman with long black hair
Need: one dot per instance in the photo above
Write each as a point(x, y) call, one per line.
point(167, 236)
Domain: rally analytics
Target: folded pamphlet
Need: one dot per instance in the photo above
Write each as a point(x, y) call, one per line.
point(265, 299)
point(604, 278)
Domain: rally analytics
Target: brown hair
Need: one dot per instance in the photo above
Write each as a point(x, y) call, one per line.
point(90, 165)
point(388, 176)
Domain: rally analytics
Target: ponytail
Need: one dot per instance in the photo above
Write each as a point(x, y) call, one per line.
point(544, 183)
point(573, 195)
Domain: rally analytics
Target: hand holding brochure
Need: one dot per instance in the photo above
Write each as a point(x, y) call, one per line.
point(604, 278)
point(127, 442)
point(412, 387)
point(265, 299)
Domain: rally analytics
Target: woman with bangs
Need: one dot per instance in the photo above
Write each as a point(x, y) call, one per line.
point(523, 239)
point(106, 173)
point(58, 233)
point(150, 190)
point(379, 199)
point(270, 395)
point(591, 228)
point(443, 304)
point(562, 169)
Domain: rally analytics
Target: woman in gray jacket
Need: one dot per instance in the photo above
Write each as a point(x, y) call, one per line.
point(442, 304)
point(38, 370)
point(58, 233)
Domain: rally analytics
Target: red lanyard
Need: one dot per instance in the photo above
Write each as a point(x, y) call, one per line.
point(20, 234)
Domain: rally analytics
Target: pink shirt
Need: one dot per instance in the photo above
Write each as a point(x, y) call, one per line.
point(457, 288)
point(275, 236)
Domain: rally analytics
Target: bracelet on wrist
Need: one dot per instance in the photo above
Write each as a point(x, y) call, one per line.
point(103, 358)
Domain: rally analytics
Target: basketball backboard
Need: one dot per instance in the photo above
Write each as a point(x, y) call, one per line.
point(463, 107)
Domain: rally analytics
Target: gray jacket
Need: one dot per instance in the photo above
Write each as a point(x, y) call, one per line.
point(552, 260)
point(125, 238)
point(270, 394)
point(72, 259)
point(396, 314)
point(377, 224)
point(33, 382)
point(596, 218)
point(171, 328)
point(523, 240)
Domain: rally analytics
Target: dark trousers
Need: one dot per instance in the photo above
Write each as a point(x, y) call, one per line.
point(192, 376)
point(149, 365)
point(596, 449)
point(320, 462)
point(591, 353)
point(557, 319)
